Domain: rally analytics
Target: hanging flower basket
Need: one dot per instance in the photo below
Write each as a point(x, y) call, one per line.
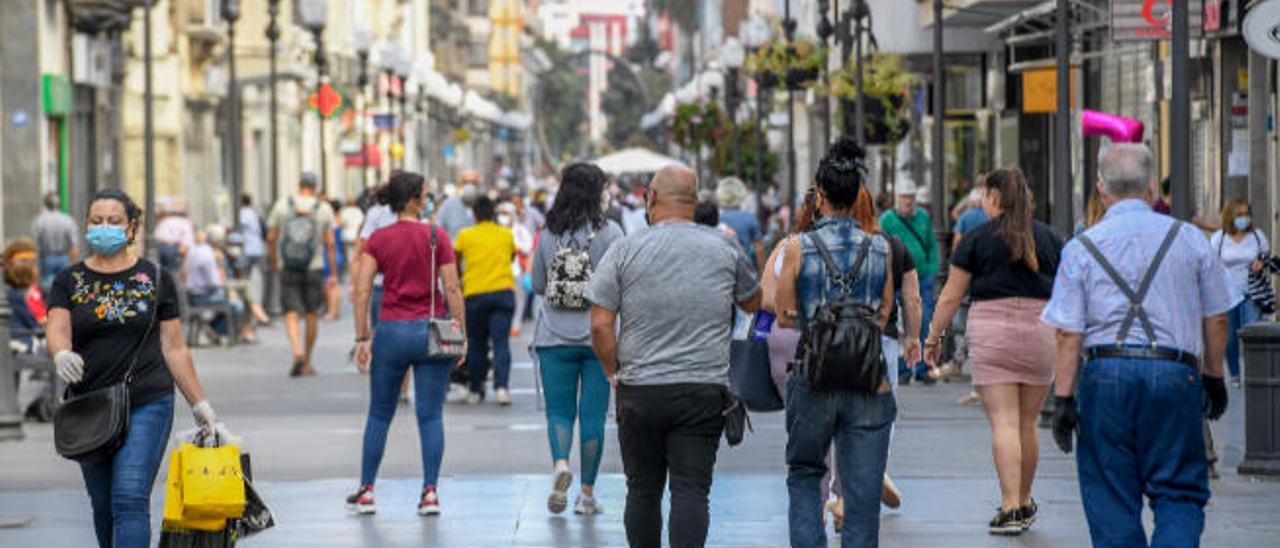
point(797, 65)
point(885, 82)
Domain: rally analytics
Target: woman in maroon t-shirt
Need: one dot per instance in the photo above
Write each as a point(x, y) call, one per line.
point(405, 254)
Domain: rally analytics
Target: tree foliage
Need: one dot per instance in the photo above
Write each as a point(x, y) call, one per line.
point(623, 102)
point(562, 102)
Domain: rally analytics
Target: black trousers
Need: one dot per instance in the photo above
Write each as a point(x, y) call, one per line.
point(670, 430)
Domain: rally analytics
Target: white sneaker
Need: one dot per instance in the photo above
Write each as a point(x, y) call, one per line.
point(457, 394)
point(559, 497)
point(503, 396)
point(587, 506)
point(474, 398)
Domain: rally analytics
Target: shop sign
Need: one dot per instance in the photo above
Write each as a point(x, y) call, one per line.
point(1040, 91)
point(1147, 20)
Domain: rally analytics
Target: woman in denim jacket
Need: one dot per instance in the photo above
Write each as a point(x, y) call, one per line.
point(857, 422)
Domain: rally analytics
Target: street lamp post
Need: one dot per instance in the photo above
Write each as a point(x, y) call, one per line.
point(273, 37)
point(858, 12)
point(387, 63)
point(362, 40)
point(755, 34)
point(402, 66)
point(824, 31)
point(788, 30)
point(149, 131)
point(733, 56)
point(936, 186)
point(314, 15)
point(230, 14)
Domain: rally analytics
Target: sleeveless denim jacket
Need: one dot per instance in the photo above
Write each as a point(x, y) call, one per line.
point(843, 237)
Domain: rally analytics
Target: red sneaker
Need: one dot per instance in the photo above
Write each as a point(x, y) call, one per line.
point(430, 503)
point(362, 501)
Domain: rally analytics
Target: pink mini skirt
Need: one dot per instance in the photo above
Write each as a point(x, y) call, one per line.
point(1008, 344)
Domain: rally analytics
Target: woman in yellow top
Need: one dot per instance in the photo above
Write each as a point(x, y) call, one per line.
point(485, 252)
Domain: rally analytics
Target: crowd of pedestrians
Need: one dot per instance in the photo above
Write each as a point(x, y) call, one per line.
point(443, 277)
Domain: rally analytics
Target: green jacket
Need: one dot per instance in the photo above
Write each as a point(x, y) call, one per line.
point(922, 245)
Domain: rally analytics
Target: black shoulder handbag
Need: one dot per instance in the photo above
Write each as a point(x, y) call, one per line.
point(93, 425)
point(444, 340)
point(840, 346)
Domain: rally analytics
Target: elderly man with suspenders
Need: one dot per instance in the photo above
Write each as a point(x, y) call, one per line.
point(1143, 297)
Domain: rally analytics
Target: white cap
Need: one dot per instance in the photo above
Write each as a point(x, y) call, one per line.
point(904, 186)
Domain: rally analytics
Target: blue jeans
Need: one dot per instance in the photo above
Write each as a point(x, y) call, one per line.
point(51, 266)
point(218, 296)
point(1141, 434)
point(1243, 314)
point(564, 369)
point(120, 486)
point(397, 346)
point(859, 424)
point(927, 301)
point(489, 321)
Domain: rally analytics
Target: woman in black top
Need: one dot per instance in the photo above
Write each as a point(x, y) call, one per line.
point(1007, 265)
point(100, 324)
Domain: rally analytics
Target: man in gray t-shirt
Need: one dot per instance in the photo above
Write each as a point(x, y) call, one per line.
point(55, 234)
point(670, 290)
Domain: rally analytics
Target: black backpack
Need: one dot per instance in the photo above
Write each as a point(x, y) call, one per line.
point(840, 346)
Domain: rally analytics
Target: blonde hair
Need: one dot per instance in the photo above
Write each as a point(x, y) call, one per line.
point(1229, 214)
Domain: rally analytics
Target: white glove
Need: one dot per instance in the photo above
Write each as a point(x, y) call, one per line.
point(70, 366)
point(204, 415)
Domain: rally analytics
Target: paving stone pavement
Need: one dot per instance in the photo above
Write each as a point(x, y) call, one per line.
point(304, 435)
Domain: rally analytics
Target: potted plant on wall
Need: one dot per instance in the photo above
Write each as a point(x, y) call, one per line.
point(885, 82)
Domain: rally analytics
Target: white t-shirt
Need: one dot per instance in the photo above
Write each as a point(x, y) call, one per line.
point(1238, 256)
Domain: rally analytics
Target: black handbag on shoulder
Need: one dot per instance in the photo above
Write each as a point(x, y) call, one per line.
point(840, 347)
point(445, 340)
point(93, 425)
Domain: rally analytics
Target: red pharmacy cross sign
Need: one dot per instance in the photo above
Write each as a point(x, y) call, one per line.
point(325, 101)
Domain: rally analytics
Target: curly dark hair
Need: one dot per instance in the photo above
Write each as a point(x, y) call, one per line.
point(577, 202)
point(841, 173)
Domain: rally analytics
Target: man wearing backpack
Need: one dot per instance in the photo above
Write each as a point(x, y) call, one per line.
point(912, 224)
point(300, 233)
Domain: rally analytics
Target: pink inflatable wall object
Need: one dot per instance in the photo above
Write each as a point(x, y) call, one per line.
point(1118, 128)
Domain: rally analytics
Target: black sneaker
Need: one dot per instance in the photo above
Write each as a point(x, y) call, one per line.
point(362, 501)
point(1006, 522)
point(1029, 514)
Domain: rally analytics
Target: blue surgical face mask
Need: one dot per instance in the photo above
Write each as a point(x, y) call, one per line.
point(1243, 222)
point(427, 209)
point(106, 239)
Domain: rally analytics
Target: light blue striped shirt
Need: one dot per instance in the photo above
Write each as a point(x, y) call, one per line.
point(1190, 285)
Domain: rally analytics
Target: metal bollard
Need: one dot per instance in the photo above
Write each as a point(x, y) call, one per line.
point(10, 415)
point(1261, 342)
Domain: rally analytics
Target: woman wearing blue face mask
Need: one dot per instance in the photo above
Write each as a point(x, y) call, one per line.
point(111, 313)
point(1239, 245)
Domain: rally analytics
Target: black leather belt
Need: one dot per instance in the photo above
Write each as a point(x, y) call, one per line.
point(1145, 352)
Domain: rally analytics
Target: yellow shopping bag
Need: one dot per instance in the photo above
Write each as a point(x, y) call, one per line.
point(173, 509)
point(212, 482)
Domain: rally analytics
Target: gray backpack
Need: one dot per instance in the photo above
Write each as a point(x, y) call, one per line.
point(297, 239)
point(568, 275)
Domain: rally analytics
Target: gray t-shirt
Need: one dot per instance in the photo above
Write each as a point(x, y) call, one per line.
point(674, 287)
point(54, 232)
point(566, 327)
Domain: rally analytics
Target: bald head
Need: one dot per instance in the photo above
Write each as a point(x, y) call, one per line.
point(673, 194)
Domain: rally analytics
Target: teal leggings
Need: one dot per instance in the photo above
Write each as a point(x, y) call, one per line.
point(564, 370)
